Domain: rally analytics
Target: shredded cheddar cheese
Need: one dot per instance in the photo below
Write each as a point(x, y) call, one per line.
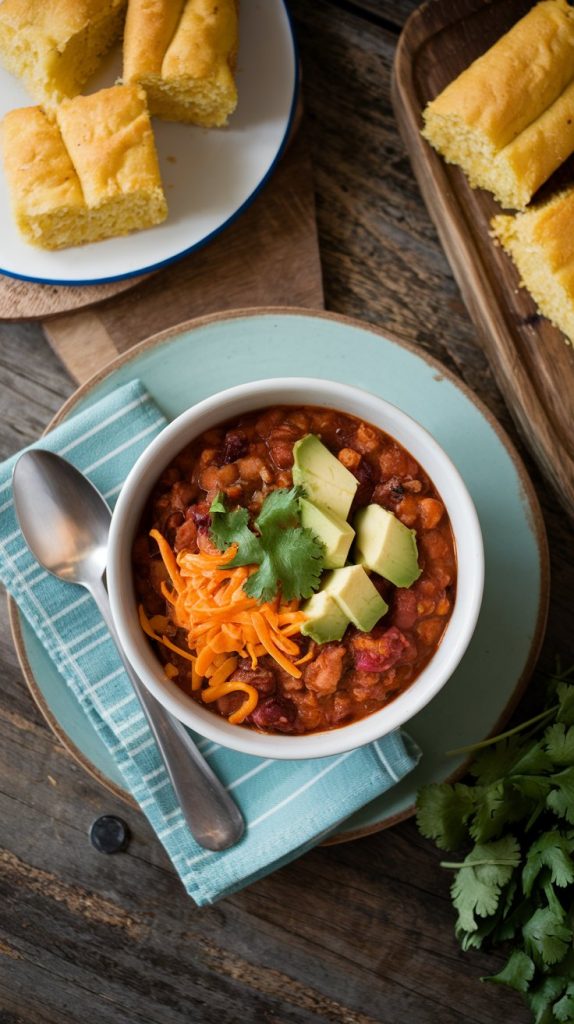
point(222, 624)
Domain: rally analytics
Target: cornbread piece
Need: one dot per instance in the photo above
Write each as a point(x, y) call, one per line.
point(55, 45)
point(541, 243)
point(47, 200)
point(91, 173)
point(508, 120)
point(183, 52)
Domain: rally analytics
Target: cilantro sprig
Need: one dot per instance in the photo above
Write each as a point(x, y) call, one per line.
point(290, 557)
point(515, 885)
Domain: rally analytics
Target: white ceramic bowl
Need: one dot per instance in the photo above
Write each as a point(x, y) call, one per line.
point(296, 391)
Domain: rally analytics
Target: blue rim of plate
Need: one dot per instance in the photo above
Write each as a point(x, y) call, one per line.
point(529, 498)
point(217, 231)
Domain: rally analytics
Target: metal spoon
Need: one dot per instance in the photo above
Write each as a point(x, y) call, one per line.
point(65, 523)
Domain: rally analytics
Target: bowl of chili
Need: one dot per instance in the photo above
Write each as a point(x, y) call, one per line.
point(256, 589)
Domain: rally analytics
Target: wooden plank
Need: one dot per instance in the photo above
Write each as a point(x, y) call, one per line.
point(533, 365)
point(269, 256)
point(25, 300)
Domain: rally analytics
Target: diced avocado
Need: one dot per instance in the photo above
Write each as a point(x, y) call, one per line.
point(356, 596)
point(335, 533)
point(386, 546)
point(325, 620)
point(325, 480)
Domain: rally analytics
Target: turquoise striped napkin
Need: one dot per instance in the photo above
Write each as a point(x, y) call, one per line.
point(288, 806)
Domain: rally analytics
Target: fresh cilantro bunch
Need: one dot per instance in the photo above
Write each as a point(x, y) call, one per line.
point(290, 557)
point(516, 883)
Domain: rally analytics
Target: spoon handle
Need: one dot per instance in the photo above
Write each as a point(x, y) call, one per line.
point(213, 818)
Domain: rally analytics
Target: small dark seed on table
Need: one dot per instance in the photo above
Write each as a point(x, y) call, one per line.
point(109, 834)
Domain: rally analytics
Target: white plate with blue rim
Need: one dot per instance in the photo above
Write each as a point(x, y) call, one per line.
point(191, 362)
point(209, 175)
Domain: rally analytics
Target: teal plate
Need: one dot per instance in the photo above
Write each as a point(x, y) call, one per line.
point(182, 366)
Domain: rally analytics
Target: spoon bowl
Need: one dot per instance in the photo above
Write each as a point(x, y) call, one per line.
point(63, 517)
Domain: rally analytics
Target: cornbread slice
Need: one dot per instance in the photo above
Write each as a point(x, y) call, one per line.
point(88, 174)
point(183, 53)
point(541, 243)
point(47, 199)
point(55, 45)
point(508, 120)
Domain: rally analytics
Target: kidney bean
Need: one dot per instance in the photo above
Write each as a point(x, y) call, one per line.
point(234, 446)
point(389, 493)
point(199, 514)
point(276, 713)
point(364, 474)
point(380, 653)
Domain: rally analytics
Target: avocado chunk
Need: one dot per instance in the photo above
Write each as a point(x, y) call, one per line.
point(325, 480)
point(325, 620)
point(386, 546)
point(356, 596)
point(336, 534)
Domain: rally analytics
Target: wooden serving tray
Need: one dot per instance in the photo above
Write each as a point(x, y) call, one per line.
point(532, 363)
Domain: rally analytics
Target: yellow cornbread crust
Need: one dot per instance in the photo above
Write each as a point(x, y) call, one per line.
point(183, 52)
point(88, 174)
point(55, 45)
point(508, 119)
point(541, 243)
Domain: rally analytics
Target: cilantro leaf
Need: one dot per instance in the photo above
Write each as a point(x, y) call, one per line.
point(517, 973)
point(218, 504)
point(289, 556)
point(534, 760)
point(229, 528)
point(295, 559)
point(552, 850)
point(564, 1008)
point(280, 509)
point(525, 776)
point(478, 882)
point(561, 799)
point(494, 762)
point(559, 742)
point(543, 996)
point(499, 804)
point(443, 811)
point(546, 937)
point(565, 694)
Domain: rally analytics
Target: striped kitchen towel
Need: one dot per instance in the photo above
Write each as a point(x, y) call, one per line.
point(288, 806)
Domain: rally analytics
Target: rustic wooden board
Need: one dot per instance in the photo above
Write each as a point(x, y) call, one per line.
point(24, 300)
point(269, 256)
point(533, 365)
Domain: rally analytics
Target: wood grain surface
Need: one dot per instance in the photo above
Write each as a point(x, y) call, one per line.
point(351, 934)
point(533, 365)
point(25, 300)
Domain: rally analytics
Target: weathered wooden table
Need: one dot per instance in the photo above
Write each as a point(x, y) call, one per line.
point(349, 934)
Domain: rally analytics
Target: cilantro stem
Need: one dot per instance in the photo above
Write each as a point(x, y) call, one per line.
point(503, 735)
point(478, 863)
